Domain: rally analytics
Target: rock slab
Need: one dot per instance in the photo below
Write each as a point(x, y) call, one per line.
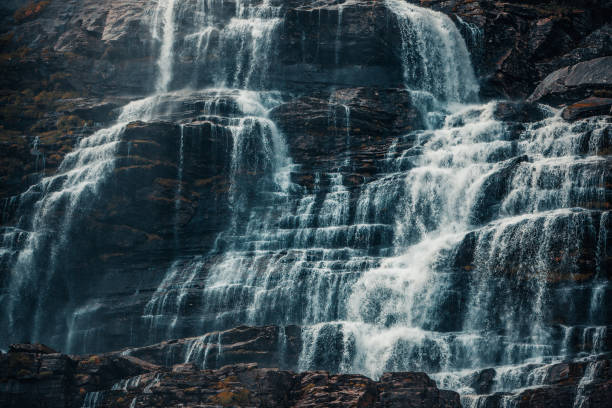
point(32, 377)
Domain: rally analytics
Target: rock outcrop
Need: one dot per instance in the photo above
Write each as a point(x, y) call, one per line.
point(593, 77)
point(34, 376)
point(592, 106)
point(268, 346)
point(579, 383)
point(357, 123)
point(515, 44)
point(132, 226)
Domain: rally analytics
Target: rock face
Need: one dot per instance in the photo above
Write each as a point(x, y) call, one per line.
point(592, 106)
point(269, 346)
point(337, 44)
point(76, 58)
point(34, 375)
point(593, 77)
point(143, 187)
point(360, 122)
point(581, 383)
point(34, 379)
point(537, 38)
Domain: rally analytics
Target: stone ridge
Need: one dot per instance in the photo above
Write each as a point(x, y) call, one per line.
point(578, 81)
point(33, 375)
point(268, 346)
point(29, 378)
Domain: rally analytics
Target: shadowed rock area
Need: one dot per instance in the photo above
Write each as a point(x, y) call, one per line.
point(36, 376)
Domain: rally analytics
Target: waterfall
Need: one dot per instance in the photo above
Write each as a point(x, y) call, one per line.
point(235, 103)
point(56, 203)
point(179, 186)
point(477, 244)
point(481, 211)
point(411, 271)
point(164, 20)
point(434, 55)
point(34, 248)
point(338, 44)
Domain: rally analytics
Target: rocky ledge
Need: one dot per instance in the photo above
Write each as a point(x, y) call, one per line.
point(36, 376)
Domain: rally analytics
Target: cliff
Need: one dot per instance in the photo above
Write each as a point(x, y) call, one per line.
point(368, 186)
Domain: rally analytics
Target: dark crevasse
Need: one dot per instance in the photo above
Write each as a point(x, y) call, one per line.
point(475, 243)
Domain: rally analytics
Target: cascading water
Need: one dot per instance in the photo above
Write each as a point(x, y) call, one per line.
point(56, 202)
point(468, 250)
point(482, 212)
point(39, 245)
point(235, 105)
point(434, 56)
point(416, 275)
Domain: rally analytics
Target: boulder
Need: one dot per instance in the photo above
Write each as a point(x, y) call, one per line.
point(35, 348)
point(482, 381)
point(592, 106)
point(409, 390)
point(34, 380)
point(518, 112)
point(577, 82)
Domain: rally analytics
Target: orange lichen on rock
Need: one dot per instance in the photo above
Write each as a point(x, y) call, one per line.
point(30, 10)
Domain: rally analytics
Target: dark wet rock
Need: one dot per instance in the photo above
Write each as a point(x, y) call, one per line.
point(323, 44)
point(100, 111)
point(66, 69)
point(482, 381)
point(132, 227)
point(103, 371)
point(317, 132)
point(577, 82)
point(35, 348)
point(596, 45)
point(110, 380)
point(567, 390)
point(268, 346)
point(31, 378)
point(520, 42)
point(518, 112)
point(319, 388)
point(494, 188)
point(588, 107)
point(81, 44)
point(568, 384)
point(25, 158)
point(409, 390)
